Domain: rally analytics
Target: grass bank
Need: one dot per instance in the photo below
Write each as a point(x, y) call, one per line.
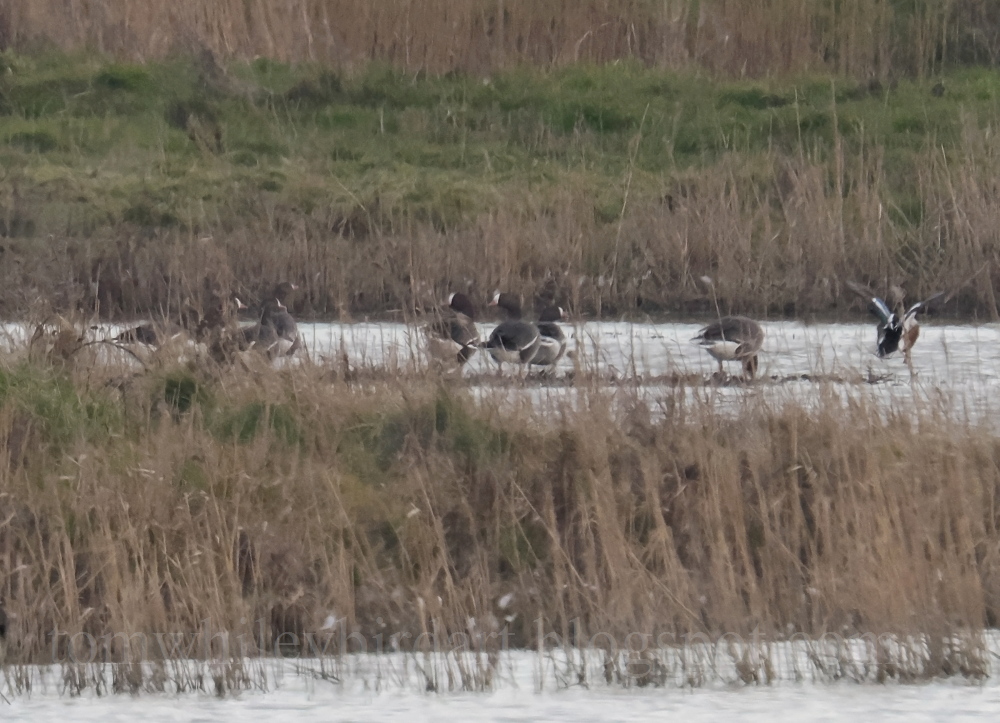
point(613, 188)
point(267, 502)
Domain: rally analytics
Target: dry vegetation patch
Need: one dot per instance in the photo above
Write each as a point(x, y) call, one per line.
point(267, 503)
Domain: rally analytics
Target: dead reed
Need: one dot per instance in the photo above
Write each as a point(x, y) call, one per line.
point(862, 38)
point(265, 507)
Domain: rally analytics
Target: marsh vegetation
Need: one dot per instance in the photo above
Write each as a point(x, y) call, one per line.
point(606, 156)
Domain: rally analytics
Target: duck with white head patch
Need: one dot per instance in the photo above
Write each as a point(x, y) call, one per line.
point(733, 338)
point(514, 340)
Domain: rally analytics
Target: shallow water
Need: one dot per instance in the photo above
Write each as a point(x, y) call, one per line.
point(956, 366)
point(377, 688)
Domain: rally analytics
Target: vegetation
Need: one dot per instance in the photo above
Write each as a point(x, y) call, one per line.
point(608, 155)
point(268, 501)
point(615, 188)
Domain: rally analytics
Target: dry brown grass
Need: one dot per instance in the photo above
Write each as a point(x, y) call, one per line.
point(864, 38)
point(263, 502)
point(778, 245)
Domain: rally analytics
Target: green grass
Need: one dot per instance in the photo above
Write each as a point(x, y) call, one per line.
point(91, 144)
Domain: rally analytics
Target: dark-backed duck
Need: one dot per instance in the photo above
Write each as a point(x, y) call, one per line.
point(514, 340)
point(898, 329)
point(552, 341)
point(453, 336)
point(733, 338)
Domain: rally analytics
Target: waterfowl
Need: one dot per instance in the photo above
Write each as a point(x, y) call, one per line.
point(218, 310)
point(285, 328)
point(261, 336)
point(284, 290)
point(898, 330)
point(552, 341)
point(142, 334)
point(513, 340)
point(150, 334)
point(453, 336)
point(733, 338)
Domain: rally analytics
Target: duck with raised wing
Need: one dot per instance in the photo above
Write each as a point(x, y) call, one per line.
point(453, 337)
point(898, 329)
point(552, 341)
point(513, 340)
point(733, 338)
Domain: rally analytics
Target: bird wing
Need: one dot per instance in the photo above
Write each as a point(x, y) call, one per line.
point(913, 310)
point(878, 307)
point(513, 336)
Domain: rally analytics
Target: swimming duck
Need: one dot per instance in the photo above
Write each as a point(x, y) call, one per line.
point(897, 329)
point(513, 340)
point(733, 338)
point(552, 341)
point(453, 337)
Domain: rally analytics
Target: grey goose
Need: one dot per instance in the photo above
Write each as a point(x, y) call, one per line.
point(453, 336)
point(733, 338)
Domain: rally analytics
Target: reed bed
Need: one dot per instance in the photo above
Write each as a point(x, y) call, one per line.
point(256, 511)
point(863, 38)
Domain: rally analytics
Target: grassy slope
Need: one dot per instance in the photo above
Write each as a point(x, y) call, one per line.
point(98, 150)
point(97, 140)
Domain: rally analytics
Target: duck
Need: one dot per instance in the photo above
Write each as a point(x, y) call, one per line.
point(453, 337)
point(552, 341)
point(733, 338)
point(898, 329)
point(514, 340)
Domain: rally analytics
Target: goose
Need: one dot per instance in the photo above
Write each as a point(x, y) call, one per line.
point(143, 334)
point(261, 336)
point(514, 340)
point(151, 334)
point(453, 337)
point(733, 338)
point(285, 328)
point(897, 329)
point(552, 341)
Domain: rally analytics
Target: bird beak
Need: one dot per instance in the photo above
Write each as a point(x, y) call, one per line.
point(240, 306)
